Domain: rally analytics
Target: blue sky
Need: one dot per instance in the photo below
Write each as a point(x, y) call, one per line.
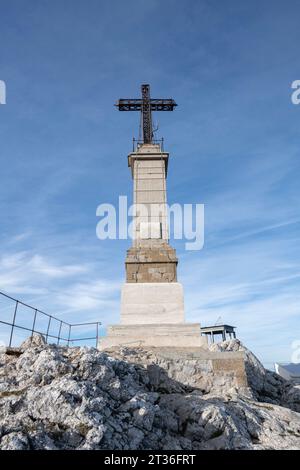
point(233, 140)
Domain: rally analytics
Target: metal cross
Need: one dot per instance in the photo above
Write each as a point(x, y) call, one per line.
point(146, 105)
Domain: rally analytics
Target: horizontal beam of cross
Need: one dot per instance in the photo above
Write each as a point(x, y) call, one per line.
point(136, 104)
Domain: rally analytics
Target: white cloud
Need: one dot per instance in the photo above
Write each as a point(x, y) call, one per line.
point(23, 268)
point(71, 292)
point(99, 294)
point(42, 266)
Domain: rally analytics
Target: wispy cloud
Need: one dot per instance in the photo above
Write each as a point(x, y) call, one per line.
point(99, 294)
point(42, 281)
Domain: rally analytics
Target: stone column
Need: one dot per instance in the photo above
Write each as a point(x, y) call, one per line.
point(151, 258)
point(151, 263)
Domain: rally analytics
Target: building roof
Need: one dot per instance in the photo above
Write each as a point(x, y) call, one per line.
point(218, 328)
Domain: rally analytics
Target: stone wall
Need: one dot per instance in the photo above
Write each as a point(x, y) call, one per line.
point(196, 368)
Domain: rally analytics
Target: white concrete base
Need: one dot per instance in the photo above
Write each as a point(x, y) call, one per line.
point(155, 335)
point(152, 302)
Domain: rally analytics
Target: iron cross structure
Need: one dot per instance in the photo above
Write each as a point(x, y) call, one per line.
point(146, 105)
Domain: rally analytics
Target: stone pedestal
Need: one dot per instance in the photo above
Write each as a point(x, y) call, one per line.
point(146, 303)
point(152, 314)
point(181, 335)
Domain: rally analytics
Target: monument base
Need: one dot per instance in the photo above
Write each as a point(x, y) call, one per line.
point(152, 302)
point(182, 335)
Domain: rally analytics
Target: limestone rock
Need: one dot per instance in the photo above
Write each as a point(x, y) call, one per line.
point(79, 398)
point(36, 340)
point(267, 386)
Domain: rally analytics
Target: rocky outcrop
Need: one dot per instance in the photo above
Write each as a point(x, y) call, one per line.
point(266, 386)
point(189, 369)
point(79, 398)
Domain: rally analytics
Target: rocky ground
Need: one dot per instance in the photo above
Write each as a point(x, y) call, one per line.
point(79, 398)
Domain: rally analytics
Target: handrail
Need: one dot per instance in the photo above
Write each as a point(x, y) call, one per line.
point(14, 325)
point(136, 143)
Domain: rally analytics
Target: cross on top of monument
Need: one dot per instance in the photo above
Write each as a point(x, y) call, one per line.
point(146, 105)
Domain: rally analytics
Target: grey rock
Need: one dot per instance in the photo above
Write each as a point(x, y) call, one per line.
point(266, 386)
point(79, 398)
point(14, 441)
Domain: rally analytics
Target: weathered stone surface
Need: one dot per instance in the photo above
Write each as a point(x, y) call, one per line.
point(190, 368)
point(151, 264)
point(78, 398)
point(150, 335)
point(149, 171)
point(266, 385)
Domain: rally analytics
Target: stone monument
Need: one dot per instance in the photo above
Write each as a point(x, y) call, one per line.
point(152, 302)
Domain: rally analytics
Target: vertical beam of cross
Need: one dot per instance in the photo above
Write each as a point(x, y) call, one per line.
point(146, 105)
point(146, 112)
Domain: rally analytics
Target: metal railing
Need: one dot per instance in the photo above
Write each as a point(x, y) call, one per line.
point(50, 321)
point(136, 143)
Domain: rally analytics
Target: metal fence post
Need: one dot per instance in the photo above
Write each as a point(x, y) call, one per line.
point(70, 327)
point(97, 334)
point(59, 333)
point(33, 325)
point(50, 318)
point(13, 324)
